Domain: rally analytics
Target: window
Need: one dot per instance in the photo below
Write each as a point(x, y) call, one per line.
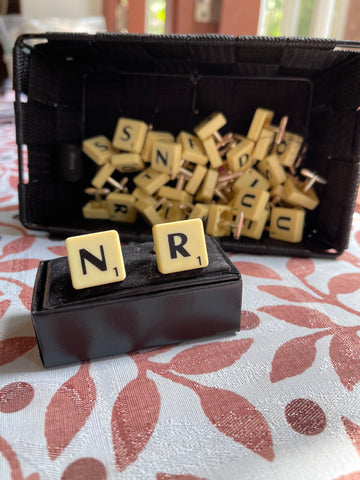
point(305, 18)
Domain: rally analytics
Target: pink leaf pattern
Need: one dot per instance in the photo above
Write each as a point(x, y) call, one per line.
point(249, 320)
point(300, 267)
point(291, 294)
point(256, 270)
point(68, 411)
point(85, 469)
point(18, 245)
point(9, 208)
point(134, 417)
point(353, 432)
point(19, 265)
point(300, 316)
point(210, 357)
point(350, 258)
point(6, 198)
point(59, 250)
point(345, 283)
point(15, 396)
point(237, 418)
point(357, 237)
point(26, 296)
point(13, 181)
point(12, 459)
point(345, 357)
point(294, 357)
point(14, 347)
point(4, 305)
point(349, 476)
point(305, 416)
point(14, 464)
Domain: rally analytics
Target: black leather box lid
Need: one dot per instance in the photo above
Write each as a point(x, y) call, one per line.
point(147, 309)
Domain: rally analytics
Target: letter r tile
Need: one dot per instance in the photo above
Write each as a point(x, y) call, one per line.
point(180, 246)
point(95, 259)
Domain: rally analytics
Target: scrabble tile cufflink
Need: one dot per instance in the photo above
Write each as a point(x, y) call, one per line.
point(95, 259)
point(180, 246)
point(121, 302)
point(224, 179)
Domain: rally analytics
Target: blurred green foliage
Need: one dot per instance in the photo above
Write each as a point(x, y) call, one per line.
point(273, 16)
point(274, 13)
point(306, 12)
point(155, 17)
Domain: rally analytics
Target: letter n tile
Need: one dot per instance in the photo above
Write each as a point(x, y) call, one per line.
point(95, 259)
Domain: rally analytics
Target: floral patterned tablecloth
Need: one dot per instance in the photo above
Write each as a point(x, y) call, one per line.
point(278, 400)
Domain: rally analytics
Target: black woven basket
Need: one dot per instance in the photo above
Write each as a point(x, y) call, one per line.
point(73, 86)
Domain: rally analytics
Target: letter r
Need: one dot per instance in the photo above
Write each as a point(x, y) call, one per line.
point(179, 247)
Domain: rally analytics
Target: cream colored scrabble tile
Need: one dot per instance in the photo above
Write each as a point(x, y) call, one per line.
point(140, 194)
point(102, 175)
point(277, 191)
point(121, 207)
point(261, 119)
point(148, 212)
point(287, 224)
point(219, 220)
point(151, 180)
point(288, 149)
point(95, 259)
point(240, 158)
point(150, 138)
point(192, 148)
point(197, 177)
point(210, 125)
point(180, 246)
point(173, 212)
point(254, 228)
point(206, 191)
point(251, 179)
point(172, 193)
point(264, 144)
point(272, 169)
point(166, 157)
point(130, 135)
point(127, 162)
point(200, 210)
point(268, 211)
point(99, 149)
point(212, 152)
point(250, 201)
point(292, 193)
point(95, 209)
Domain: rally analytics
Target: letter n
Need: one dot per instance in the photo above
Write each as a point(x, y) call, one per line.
point(99, 263)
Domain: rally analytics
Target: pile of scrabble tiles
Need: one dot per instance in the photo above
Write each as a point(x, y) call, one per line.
point(239, 186)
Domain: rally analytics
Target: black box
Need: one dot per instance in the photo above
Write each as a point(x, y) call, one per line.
point(78, 85)
point(147, 309)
